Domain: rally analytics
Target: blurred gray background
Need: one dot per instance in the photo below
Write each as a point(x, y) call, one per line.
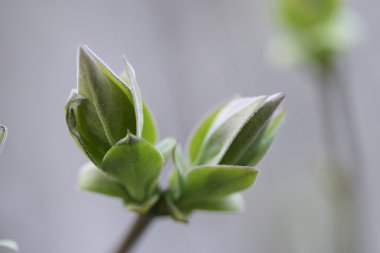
point(188, 55)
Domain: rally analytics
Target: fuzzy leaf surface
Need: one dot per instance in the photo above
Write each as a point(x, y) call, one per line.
point(210, 182)
point(111, 98)
point(246, 136)
point(86, 128)
point(136, 164)
point(225, 127)
point(136, 95)
point(230, 203)
point(200, 134)
point(149, 129)
point(260, 147)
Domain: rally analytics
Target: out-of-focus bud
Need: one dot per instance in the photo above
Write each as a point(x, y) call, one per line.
point(3, 136)
point(315, 31)
point(303, 14)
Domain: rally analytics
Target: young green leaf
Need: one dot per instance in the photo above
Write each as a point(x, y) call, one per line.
point(149, 131)
point(200, 133)
point(208, 182)
point(260, 146)
point(86, 128)
point(225, 127)
point(136, 164)
point(166, 147)
point(93, 179)
point(3, 136)
point(111, 98)
point(229, 203)
point(245, 137)
point(177, 180)
point(132, 82)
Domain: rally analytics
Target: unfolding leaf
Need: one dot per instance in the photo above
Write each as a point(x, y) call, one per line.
point(86, 128)
point(93, 179)
point(149, 131)
point(215, 181)
point(3, 136)
point(136, 164)
point(137, 100)
point(111, 98)
point(230, 203)
point(258, 149)
point(166, 147)
point(245, 137)
point(200, 133)
point(177, 180)
point(225, 127)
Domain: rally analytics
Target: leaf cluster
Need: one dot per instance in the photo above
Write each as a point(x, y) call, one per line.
point(114, 127)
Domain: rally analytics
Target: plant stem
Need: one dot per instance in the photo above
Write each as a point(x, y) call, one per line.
point(345, 199)
point(340, 98)
point(138, 228)
point(326, 103)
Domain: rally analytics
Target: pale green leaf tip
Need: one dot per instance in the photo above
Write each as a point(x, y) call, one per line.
point(128, 139)
point(130, 71)
point(84, 50)
point(277, 97)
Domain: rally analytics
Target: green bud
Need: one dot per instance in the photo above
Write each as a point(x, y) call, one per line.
point(315, 31)
point(228, 134)
point(303, 14)
point(104, 108)
point(112, 125)
point(115, 129)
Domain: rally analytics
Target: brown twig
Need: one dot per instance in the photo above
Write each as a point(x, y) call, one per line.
point(138, 228)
